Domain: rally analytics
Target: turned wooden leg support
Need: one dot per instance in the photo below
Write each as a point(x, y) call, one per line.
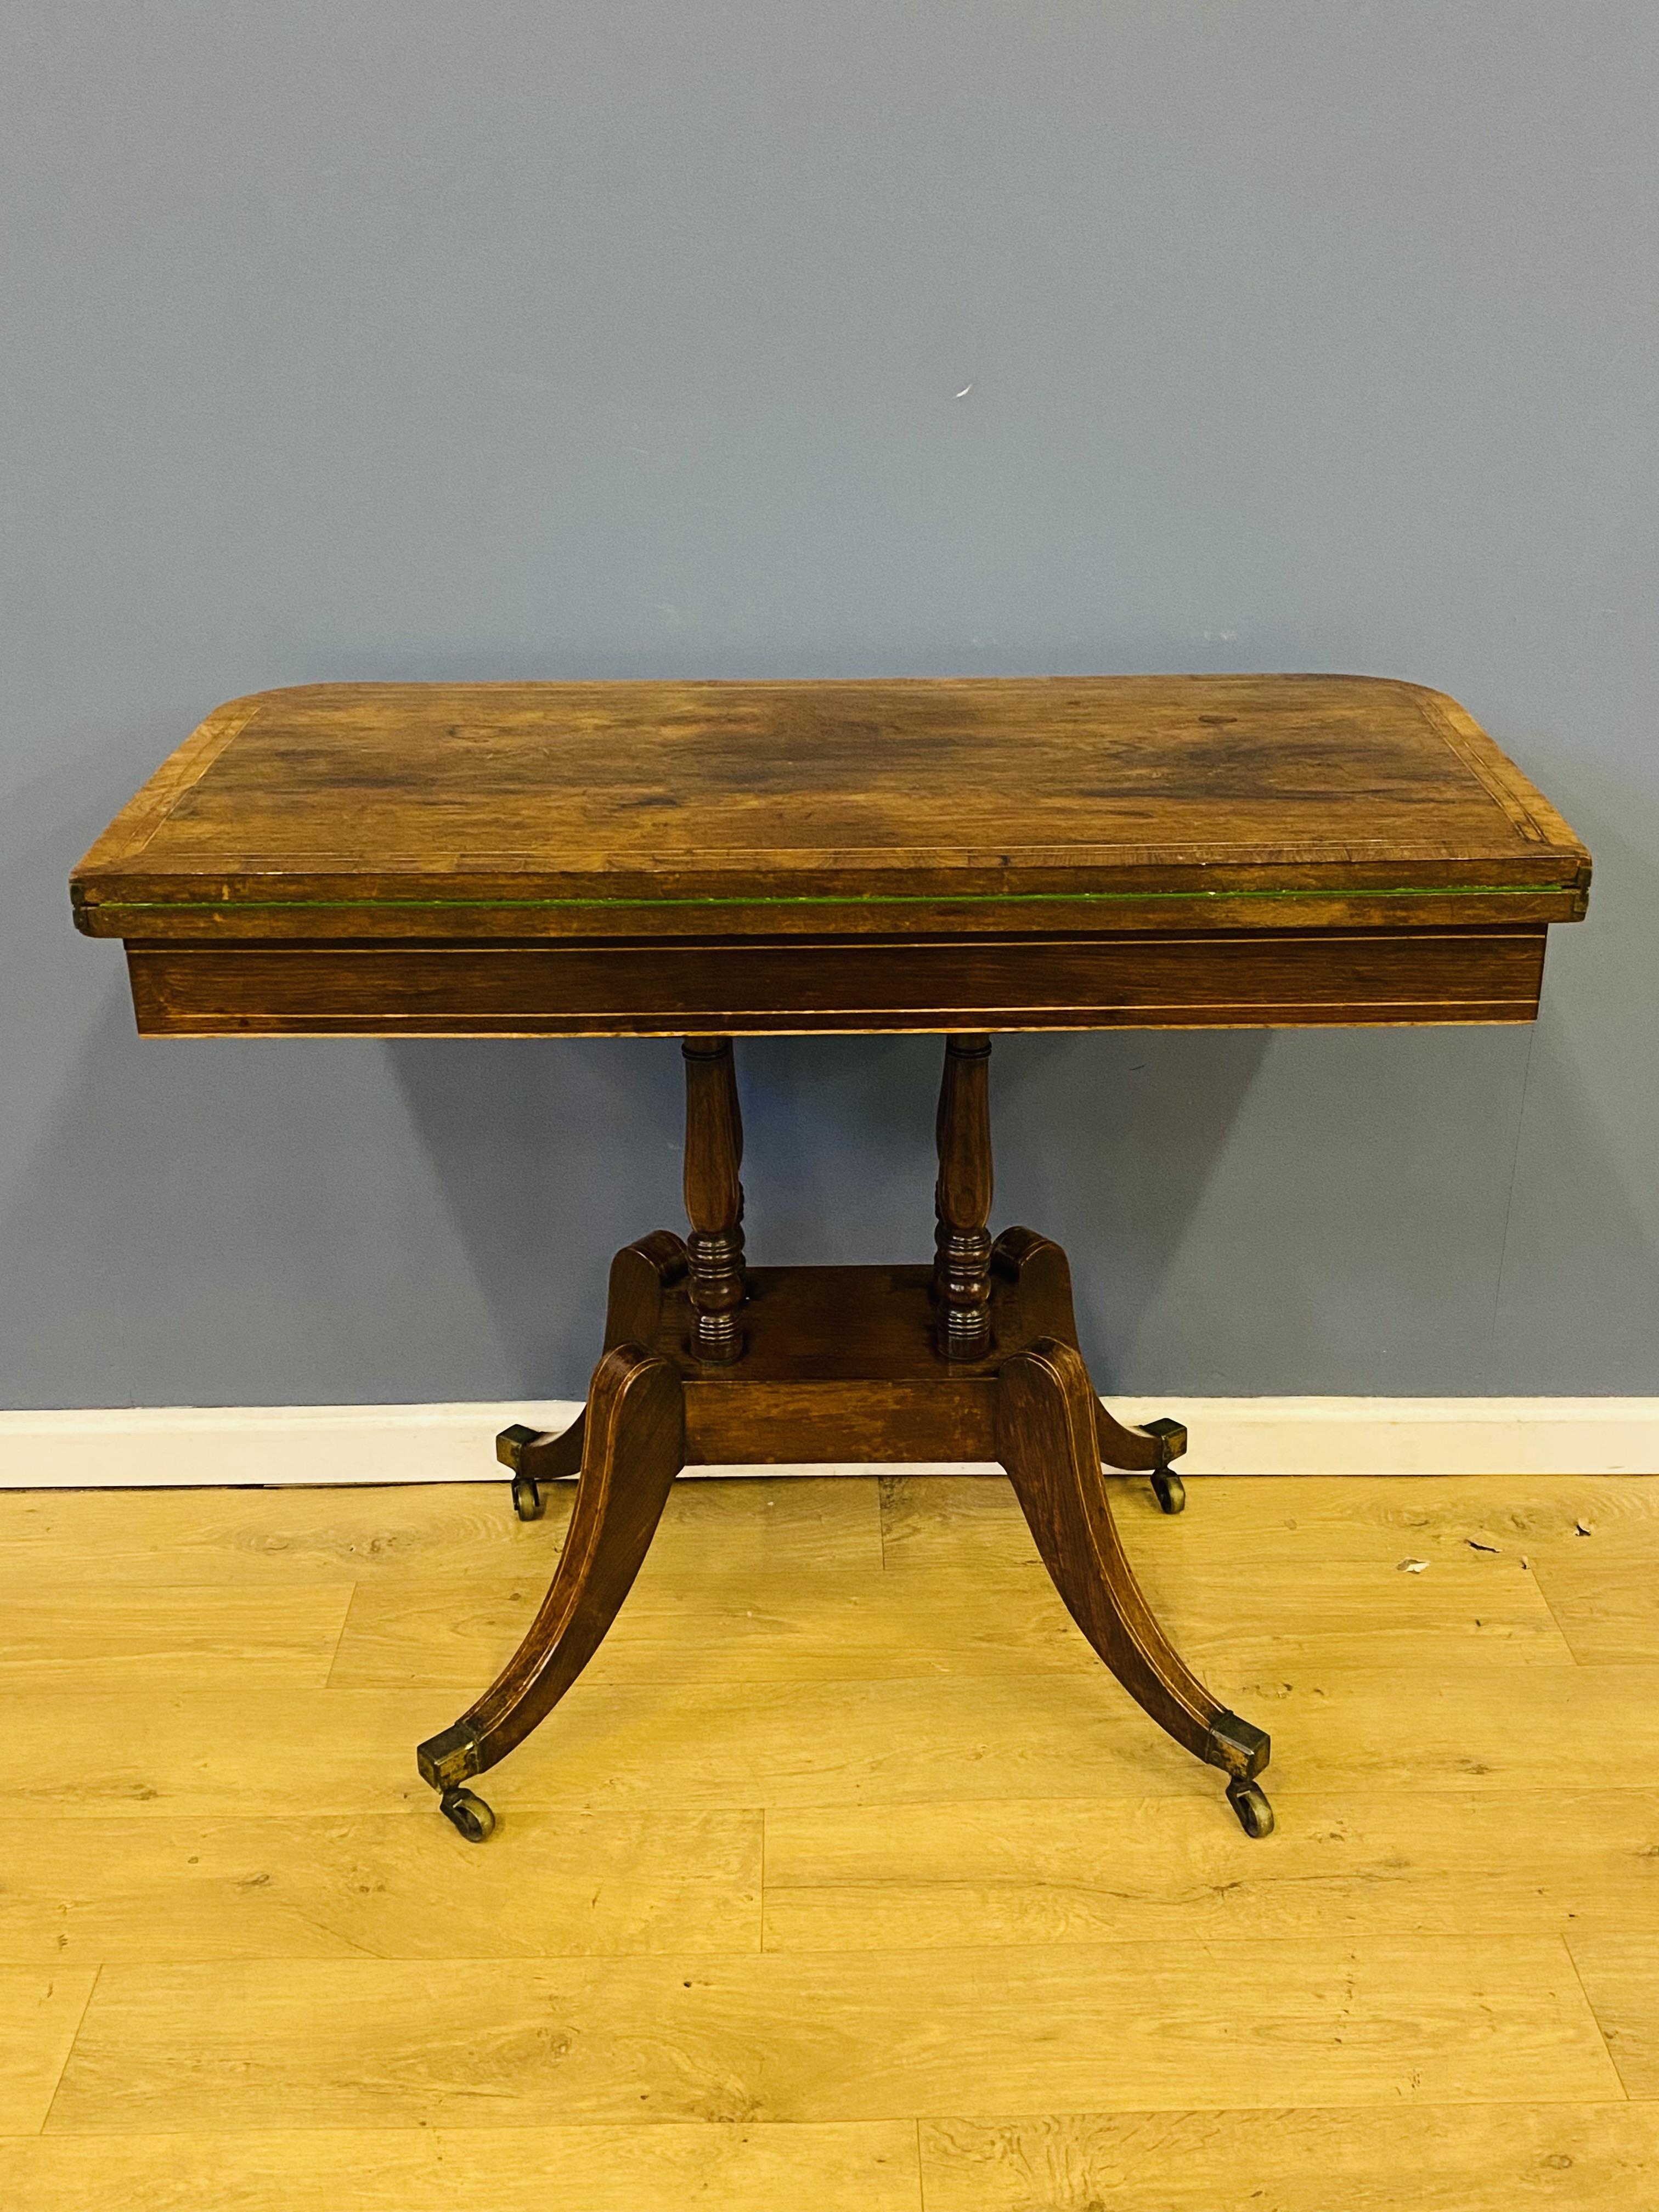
point(713, 1196)
point(962, 1201)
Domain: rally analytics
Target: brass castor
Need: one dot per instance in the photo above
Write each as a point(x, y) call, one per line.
point(1250, 1801)
point(1169, 1490)
point(1167, 1485)
point(527, 1500)
point(472, 1817)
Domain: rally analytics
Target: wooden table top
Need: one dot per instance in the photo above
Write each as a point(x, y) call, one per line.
point(933, 811)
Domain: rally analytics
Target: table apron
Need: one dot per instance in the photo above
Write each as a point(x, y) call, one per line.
point(1199, 981)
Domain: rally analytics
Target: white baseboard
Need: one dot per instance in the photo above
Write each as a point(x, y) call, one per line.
point(158, 1446)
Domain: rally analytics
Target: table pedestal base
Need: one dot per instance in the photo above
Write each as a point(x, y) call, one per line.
point(833, 1364)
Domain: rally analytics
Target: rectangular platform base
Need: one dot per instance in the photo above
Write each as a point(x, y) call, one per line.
point(840, 1363)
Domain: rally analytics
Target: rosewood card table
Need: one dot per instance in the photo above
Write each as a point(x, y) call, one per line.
point(709, 860)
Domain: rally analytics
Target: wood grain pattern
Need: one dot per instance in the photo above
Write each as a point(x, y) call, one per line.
point(1396, 1863)
point(186, 1751)
point(41, 2009)
point(1483, 1726)
point(983, 786)
point(266, 1539)
point(1318, 1585)
point(998, 1907)
point(716, 1624)
point(167, 1755)
point(147, 810)
point(717, 1627)
point(379, 1886)
point(827, 2037)
point(566, 860)
point(1436, 2158)
point(64, 1633)
point(1485, 1525)
point(869, 2166)
point(1621, 1974)
point(1604, 1594)
point(1432, 2158)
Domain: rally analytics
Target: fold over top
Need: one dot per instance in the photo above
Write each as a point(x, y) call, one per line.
point(556, 809)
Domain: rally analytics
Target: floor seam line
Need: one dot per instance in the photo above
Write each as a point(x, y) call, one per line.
point(63, 2071)
point(339, 1640)
point(1595, 2019)
point(1538, 1584)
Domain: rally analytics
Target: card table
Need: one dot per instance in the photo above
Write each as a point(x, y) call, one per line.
point(709, 860)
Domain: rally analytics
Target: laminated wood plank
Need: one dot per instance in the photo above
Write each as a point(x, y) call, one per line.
point(70, 1633)
point(164, 1752)
point(829, 2038)
point(110, 1540)
point(1621, 1974)
point(396, 1885)
point(1349, 1862)
point(164, 1755)
point(1604, 1592)
point(1270, 1572)
point(41, 2009)
point(1433, 2158)
point(715, 1624)
point(869, 2166)
point(944, 1521)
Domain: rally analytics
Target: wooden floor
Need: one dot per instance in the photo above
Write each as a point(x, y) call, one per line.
point(845, 1878)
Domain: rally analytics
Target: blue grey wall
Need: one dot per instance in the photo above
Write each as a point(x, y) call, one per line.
point(654, 337)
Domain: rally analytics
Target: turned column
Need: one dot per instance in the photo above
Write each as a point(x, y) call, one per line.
point(713, 1197)
point(962, 1201)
